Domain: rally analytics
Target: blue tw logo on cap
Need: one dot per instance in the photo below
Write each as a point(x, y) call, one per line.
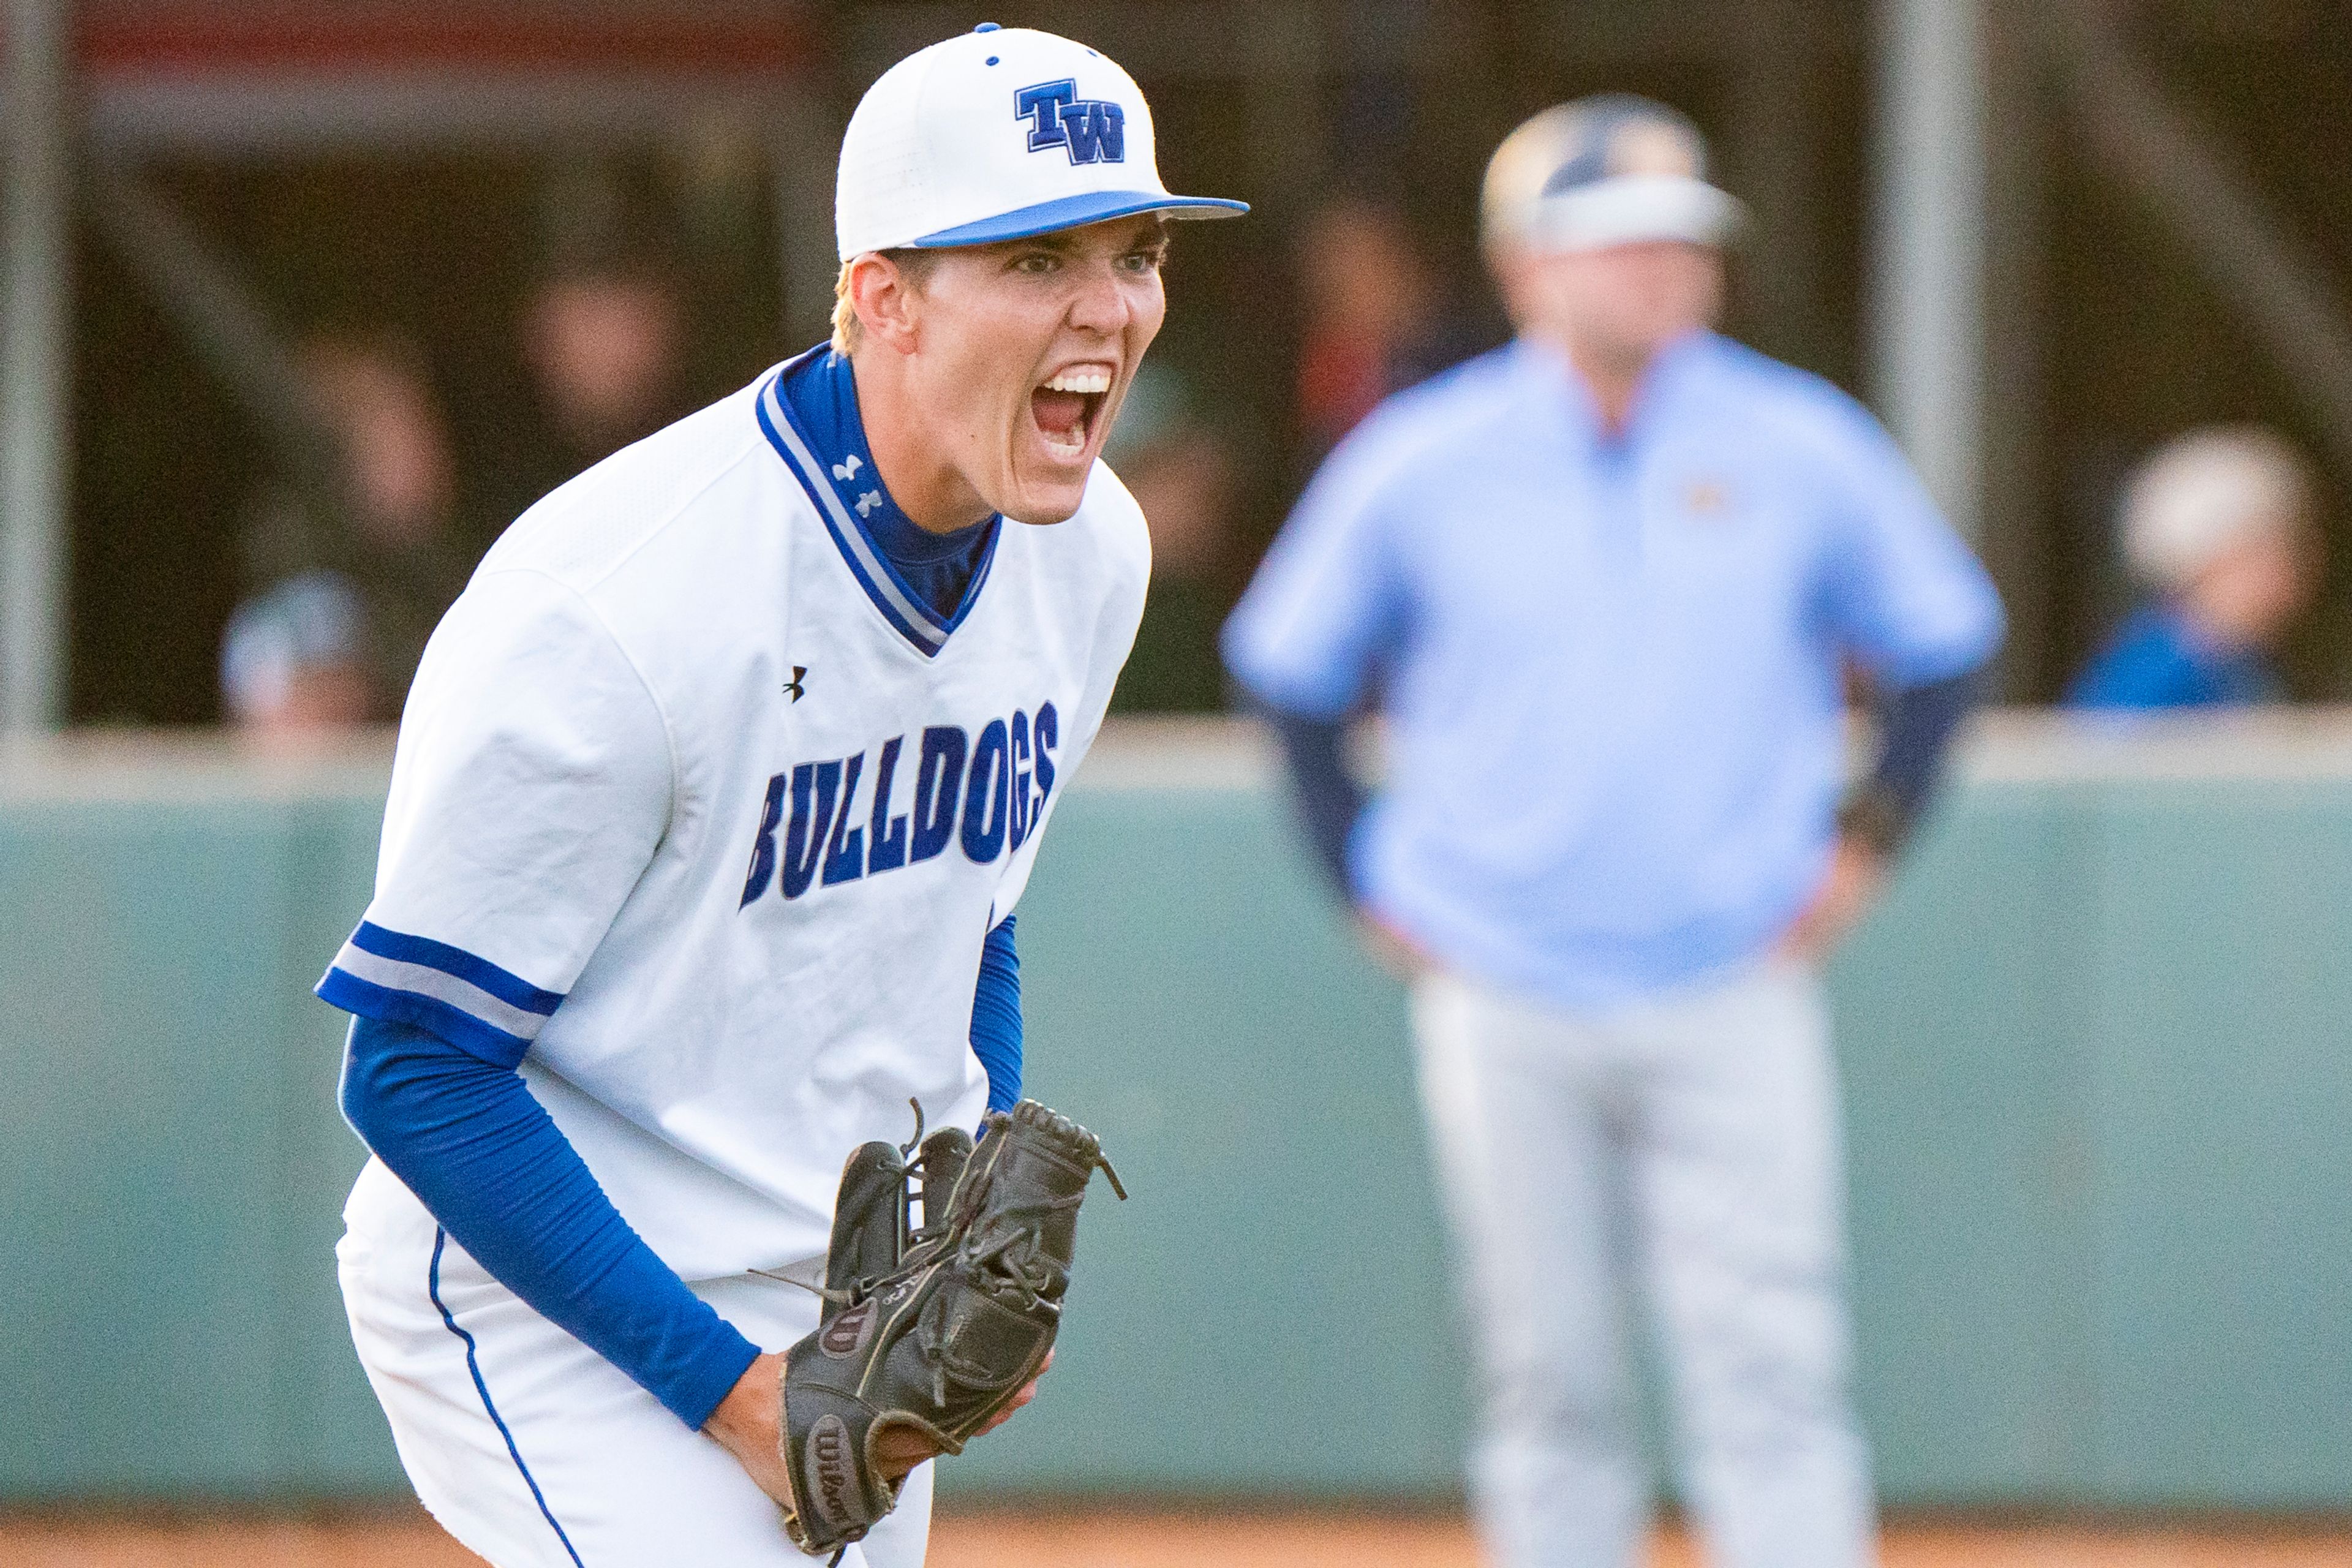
point(1092, 130)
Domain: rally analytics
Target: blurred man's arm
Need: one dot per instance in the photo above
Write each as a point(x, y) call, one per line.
point(1916, 727)
point(1328, 606)
point(1327, 798)
point(1908, 601)
point(1330, 803)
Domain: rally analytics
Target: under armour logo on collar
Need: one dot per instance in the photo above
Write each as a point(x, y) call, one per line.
point(869, 501)
point(847, 467)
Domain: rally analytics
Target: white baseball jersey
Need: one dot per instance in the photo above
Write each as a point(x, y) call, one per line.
point(701, 804)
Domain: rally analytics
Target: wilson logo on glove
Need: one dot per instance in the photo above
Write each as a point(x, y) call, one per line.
point(847, 1334)
point(831, 1476)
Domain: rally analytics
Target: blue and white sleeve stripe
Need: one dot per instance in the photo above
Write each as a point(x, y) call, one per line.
point(466, 999)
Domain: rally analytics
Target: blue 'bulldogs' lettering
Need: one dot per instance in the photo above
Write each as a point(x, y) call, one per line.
point(1049, 736)
point(938, 783)
point(1091, 129)
point(991, 793)
point(985, 805)
point(890, 839)
point(1017, 821)
point(764, 847)
point(815, 786)
point(844, 856)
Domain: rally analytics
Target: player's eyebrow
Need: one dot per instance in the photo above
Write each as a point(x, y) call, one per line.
point(1153, 237)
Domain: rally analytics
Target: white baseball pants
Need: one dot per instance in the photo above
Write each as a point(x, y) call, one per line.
point(536, 1452)
point(1684, 1149)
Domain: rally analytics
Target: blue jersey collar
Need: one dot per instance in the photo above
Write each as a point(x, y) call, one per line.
point(808, 410)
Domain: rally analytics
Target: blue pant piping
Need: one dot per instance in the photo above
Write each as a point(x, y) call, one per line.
point(474, 1366)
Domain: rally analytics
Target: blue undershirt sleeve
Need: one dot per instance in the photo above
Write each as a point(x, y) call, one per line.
point(470, 1140)
point(1917, 727)
point(996, 1016)
point(1326, 794)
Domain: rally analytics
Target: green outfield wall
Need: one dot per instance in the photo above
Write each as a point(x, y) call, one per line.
point(2096, 1051)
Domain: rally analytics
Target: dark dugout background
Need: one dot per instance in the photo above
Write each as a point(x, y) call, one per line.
point(2113, 339)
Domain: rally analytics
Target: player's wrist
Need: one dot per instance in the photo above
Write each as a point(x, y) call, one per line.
point(750, 1400)
point(718, 1372)
point(1872, 819)
point(748, 1423)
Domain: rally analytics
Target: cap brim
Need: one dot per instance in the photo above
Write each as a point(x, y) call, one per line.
point(1076, 212)
point(1629, 209)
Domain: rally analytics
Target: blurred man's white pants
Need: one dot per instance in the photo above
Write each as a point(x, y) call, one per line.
point(1683, 1150)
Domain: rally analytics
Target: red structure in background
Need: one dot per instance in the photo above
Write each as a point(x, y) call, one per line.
point(117, 41)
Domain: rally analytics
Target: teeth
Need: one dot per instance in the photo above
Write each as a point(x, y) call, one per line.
point(1080, 380)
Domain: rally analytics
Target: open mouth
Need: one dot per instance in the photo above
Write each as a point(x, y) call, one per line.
point(1066, 406)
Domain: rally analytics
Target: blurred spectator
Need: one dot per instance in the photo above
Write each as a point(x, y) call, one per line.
point(344, 593)
point(1599, 585)
point(1375, 321)
point(2218, 525)
point(601, 340)
point(1181, 474)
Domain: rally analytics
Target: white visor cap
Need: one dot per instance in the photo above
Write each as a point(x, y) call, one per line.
point(1631, 208)
point(1611, 170)
point(998, 134)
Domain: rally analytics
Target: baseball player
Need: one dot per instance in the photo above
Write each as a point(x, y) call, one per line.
point(713, 799)
point(1603, 583)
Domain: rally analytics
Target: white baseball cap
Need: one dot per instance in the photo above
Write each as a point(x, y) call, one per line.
point(1608, 170)
point(999, 134)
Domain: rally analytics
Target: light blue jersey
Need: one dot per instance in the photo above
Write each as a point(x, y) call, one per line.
point(1610, 665)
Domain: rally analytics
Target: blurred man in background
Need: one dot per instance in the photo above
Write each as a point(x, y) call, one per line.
point(345, 589)
point(2218, 525)
point(1603, 585)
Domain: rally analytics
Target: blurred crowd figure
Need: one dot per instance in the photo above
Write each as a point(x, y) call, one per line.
point(2219, 528)
point(343, 590)
point(602, 338)
point(1601, 584)
point(345, 587)
point(1180, 469)
point(1375, 320)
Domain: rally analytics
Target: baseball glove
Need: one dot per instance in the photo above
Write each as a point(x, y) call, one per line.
point(933, 1329)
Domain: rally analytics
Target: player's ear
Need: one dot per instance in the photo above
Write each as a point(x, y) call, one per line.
point(886, 301)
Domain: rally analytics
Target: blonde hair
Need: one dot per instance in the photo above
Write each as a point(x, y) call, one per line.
point(914, 262)
point(845, 328)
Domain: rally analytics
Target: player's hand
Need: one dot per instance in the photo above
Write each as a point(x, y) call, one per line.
point(1844, 895)
point(902, 1448)
point(1392, 948)
point(746, 1425)
point(1028, 1392)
